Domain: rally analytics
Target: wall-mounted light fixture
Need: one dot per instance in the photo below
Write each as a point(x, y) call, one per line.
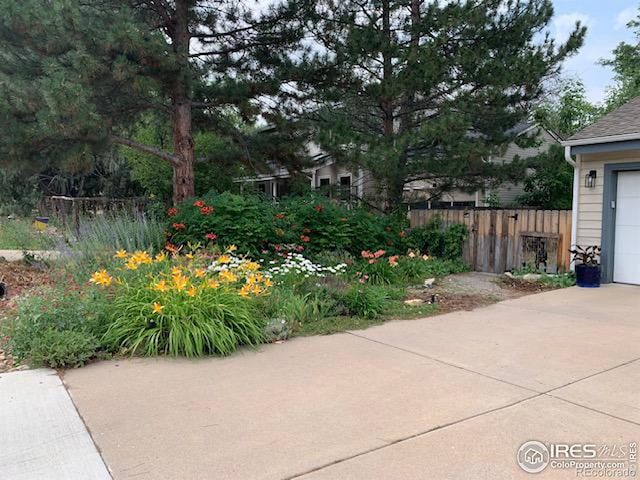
point(590, 179)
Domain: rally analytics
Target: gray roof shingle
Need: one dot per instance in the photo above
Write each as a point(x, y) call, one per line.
point(623, 120)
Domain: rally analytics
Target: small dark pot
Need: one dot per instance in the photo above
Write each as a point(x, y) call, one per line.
point(588, 276)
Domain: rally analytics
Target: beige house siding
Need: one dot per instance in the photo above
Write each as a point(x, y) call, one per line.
point(507, 192)
point(589, 223)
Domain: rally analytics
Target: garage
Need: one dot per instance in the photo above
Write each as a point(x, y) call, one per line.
point(626, 252)
point(606, 199)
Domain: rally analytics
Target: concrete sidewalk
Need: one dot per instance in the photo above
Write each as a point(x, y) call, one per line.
point(447, 397)
point(41, 434)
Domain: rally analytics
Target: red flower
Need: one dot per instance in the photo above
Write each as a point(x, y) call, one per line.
point(211, 236)
point(172, 212)
point(277, 248)
point(179, 226)
point(299, 248)
point(401, 234)
point(379, 253)
point(279, 216)
point(206, 210)
point(318, 208)
point(304, 238)
point(393, 261)
point(198, 203)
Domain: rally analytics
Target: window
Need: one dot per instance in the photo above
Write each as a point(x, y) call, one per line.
point(325, 182)
point(345, 181)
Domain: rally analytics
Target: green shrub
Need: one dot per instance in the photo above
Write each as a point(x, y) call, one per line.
point(46, 319)
point(311, 223)
point(364, 301)
point(438, 241)
point(63, 348)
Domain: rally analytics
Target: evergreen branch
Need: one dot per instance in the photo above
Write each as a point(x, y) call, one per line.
point(141, 147)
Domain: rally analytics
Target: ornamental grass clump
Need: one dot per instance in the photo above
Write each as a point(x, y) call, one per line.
point(175, 305)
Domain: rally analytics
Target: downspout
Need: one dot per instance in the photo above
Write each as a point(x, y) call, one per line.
point(574, 205)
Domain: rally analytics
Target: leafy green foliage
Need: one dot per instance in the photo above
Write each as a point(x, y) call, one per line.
point(63, 348)
point(58, 326)
point(550, 186)
point(439, 241)
point(364, 301)
point(626, 65)
point(311, 224)
point(568, 111)
point(215, 322)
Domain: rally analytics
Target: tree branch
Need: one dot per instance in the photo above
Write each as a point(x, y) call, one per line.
point(141, 147)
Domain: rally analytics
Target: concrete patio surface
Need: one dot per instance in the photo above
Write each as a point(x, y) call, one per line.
point(446, 397)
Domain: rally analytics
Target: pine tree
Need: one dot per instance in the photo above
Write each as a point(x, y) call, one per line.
point(415, 89)
point(76, 76)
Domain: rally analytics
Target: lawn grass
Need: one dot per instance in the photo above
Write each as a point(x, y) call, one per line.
point(20, 234)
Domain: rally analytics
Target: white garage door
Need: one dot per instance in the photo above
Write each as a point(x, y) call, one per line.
point(626, 266)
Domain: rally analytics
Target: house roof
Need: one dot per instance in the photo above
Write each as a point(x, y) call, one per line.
point(619, 125)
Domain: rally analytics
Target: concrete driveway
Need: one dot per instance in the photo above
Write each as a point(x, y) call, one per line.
point(447, 397)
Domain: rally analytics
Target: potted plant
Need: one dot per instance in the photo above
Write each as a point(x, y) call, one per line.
point(587, 266)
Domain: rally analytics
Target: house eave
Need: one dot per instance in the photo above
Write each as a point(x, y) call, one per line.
point(599, 140)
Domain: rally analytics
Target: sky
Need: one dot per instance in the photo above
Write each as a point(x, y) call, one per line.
point(606, 27)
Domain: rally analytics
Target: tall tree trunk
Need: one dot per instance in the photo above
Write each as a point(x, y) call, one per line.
point(183, 181)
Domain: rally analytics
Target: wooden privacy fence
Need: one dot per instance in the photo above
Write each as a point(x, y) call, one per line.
point(501, 240)
point(71, 209)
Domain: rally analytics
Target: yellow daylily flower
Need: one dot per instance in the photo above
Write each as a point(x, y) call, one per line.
point(101, 278)
point(256, 290)
point(211, 283)
point(131, 264)
point(268, 283)
point(252, 266)
point(160, 257)
point(189, 255)
point(175, 271)
point(244, 291)
point(180, 282)
point(142, 257)
point(200, 272)
point(224, 259)
point(193, 291)
point(228, 276)
point(232, 248)
point(156, 307)
point(121, 254)
point(161, 286)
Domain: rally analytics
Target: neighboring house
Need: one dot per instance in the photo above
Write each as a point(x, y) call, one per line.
point(606, 199)
point(416, 192)
point(340, 182)
point(324, 175)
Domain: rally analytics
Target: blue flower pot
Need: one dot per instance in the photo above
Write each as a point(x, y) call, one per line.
point(588, 276)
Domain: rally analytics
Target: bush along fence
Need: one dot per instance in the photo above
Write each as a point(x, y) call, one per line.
point(501, 240)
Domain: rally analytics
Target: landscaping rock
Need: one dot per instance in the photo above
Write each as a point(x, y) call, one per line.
point(429, 282)
point(414, 301)
point(532, 277)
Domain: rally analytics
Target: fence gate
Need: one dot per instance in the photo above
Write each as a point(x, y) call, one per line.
point(501, 240)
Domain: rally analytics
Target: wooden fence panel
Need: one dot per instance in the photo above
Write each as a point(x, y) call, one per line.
point(495, 242)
